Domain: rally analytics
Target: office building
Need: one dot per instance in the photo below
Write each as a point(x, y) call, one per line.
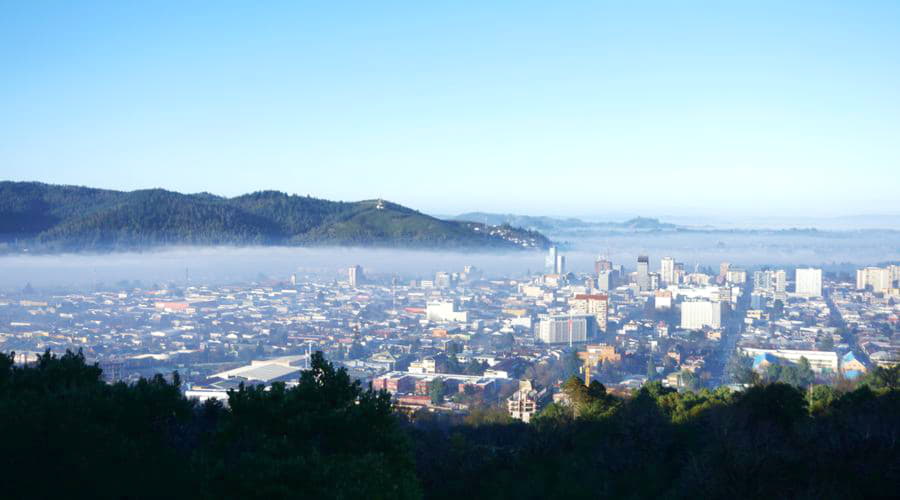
point(355, 275)
point(566, 328)
point(596, 305)
point(550, 261)
point(809, 282)
point(878, 278)
point(602, 264)
point(678, 274)
point(667, 271)
point(696, 314)
point(736, 276)
point(560, 265)
point(643, 273)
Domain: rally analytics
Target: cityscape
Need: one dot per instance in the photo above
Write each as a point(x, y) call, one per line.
point(463, 338)
point(449, 250)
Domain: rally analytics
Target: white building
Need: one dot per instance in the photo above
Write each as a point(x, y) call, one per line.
point(441, 312)
point(355, 276)
point(667, 271)
point(878, 278)
point(699, 313)
point(809, 282)
point(819, 361)
point(596, 305)
point(526, 402)
point(566, 328)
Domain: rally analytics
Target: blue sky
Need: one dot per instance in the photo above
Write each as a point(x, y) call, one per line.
point(744, 108)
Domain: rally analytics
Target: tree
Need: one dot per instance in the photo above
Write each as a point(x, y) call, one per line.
point(689, 380)
point(651, 369)
point(437, 390)
point(805, 374)
point(453, 348)
point(740, 369)
point(473, 367)
point(777, 309)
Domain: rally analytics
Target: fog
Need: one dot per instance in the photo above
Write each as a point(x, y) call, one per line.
point(218, 265)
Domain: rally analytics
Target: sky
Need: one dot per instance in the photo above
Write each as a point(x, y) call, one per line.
point(542, 108)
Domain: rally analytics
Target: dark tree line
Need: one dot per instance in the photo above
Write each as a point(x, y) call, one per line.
point(67, 433)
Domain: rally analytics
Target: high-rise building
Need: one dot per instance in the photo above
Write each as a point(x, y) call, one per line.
point(566, 328)
point(654, 281)
point(696, 314)
point(293, 280)
point(667, 270)
point(757, 299)
point(560, 265)
point(679, 273)
point(602, 264)
point(442, 280)
point(550, 261)
point(763, 281)
point(355, 275)
point(779, 281)
point(809, 282)
point(643, 273)
point(895, 274)
point(723, 270)
point(596, 305)
point(607, 279)
point(878, 278)
point(737, 276)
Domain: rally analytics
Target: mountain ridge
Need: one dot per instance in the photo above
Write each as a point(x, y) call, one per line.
point(48, 217)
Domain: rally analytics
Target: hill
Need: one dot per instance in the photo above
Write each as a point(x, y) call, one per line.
point(48, 217)
point(562, 224)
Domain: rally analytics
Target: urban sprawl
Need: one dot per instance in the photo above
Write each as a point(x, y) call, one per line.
point(458, 340)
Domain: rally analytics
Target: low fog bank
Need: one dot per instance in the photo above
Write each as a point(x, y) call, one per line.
point(218, 265)
point(827, 249)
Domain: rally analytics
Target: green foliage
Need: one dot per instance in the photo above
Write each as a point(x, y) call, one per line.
point(488, 416)
point(588, 402)
point(740, 370)
point(71, 218)
point(67, 433)
point(799, 375)
point(883, 378)
point(437, 389)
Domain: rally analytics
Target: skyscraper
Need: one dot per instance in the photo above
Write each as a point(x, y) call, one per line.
point(779, 281)
point(878, 278)
point(550, 261)
point(602, 264)
point(809, 282)
point(596, 305)
point(643, 273)
point(355, 275)
point(560, 265)
point(699, 313)
point(667, 270)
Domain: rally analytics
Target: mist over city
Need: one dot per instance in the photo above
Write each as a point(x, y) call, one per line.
point(837, 252)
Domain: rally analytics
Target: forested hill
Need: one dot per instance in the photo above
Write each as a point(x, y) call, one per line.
point(55, 218)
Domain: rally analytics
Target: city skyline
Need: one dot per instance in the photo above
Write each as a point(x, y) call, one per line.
point(705, 109)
